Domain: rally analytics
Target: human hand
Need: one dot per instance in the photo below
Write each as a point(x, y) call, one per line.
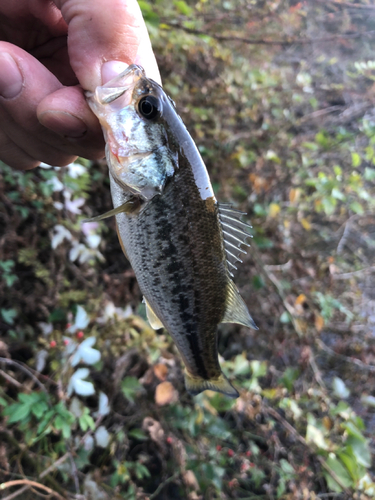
point(50, 52)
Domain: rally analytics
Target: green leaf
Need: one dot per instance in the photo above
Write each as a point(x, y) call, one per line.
point(340, 471)
point(241, 365)
point(130, 386)
point(356, 160)
point(8, 315)
point(3, 402)
point(369, 174)
point(138, 434)
point(183, 8)
point(360, 450)
point(357, 208)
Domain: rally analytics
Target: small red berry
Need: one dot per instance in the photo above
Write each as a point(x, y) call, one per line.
point(248, 453)
point(68, 325)
point(230, 453)
point(169, 440)
point(80, 334)
point(52, 343)
point(233, 483)
point(251, 464)
point(218, 447)
point(244, 467)
point(66, 341)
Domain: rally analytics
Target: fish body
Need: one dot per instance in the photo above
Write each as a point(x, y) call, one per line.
point(170, 225)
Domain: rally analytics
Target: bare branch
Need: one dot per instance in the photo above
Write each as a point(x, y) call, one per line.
point(261, 41)
point(27, 482)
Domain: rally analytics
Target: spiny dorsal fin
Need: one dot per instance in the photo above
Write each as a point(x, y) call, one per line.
point(154, 321)
point(236, 310)
point(234, 233)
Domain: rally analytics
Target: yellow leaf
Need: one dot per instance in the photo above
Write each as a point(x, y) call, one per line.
point(274, 209)
point(294, 195)
point(319, 323)
point(327, 423)
point(165, 394)
point(306, 224)
point(300, 299)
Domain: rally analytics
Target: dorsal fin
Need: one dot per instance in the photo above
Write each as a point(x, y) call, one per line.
point(234, 233)
point(236, 310)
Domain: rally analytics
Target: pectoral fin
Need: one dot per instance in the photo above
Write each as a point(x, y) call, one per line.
point(195, 385)
point(236, 309)
point(154, 321)
point(127, 207)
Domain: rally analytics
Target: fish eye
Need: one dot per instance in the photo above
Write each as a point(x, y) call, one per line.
point(149, 107)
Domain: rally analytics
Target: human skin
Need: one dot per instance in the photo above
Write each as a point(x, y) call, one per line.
point(50, 52)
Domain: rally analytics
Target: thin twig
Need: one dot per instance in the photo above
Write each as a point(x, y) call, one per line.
point(261, 41)
point(164, 483)
point(25, 370)
point(278, 288)
point(348, 359)
point(303, 441)
point(348, 5)
point(344, 276)
point(10, 379)
point(17, 493)
point(27, 482)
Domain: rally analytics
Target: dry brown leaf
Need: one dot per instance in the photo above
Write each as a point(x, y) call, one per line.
point(319, 322)
point(161, 371)
point(165, 394)
point(300, 299)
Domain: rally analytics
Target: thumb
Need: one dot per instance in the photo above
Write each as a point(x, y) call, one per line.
point(105, 31)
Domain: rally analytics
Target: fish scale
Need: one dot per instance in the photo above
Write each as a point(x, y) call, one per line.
point(182, 249)
point(169, 224)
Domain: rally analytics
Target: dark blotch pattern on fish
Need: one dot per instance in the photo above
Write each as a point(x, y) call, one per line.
point(175, 248)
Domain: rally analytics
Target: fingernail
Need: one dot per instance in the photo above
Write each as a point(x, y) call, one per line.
point(63, 123)
point(11, 79)
point(110, 69)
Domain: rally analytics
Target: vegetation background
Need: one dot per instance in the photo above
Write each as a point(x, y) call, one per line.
point(279, 96)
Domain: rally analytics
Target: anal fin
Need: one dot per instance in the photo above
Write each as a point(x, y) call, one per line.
point(236, 309)
point(154, 321)
point(196, 385)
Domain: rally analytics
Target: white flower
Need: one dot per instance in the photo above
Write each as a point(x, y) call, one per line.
point(80, 386)
point(93, 240)
point(58, 205)
point(86, 353)
point(339, 388)
point(61, 233)
point(45, 327)
point(102, 436)
point(89, 227)
point(75, 170)
point(41, 358)
point(81, 321)
point(110, 312)
point(73, 205)
point(56, 184)
point(104, 407)
point(45, 165)
point(83, 253)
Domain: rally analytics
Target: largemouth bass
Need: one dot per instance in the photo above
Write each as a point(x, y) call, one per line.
point(180, 242)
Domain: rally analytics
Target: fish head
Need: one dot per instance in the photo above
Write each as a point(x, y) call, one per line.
point(141, 155)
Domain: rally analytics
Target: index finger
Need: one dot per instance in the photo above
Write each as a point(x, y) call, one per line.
point(101, 31)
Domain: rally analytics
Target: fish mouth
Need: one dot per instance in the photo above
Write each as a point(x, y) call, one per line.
point(118, 86)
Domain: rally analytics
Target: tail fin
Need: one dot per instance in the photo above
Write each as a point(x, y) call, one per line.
point(195, 385)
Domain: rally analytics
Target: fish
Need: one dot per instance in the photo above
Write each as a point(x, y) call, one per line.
point(181, 243)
